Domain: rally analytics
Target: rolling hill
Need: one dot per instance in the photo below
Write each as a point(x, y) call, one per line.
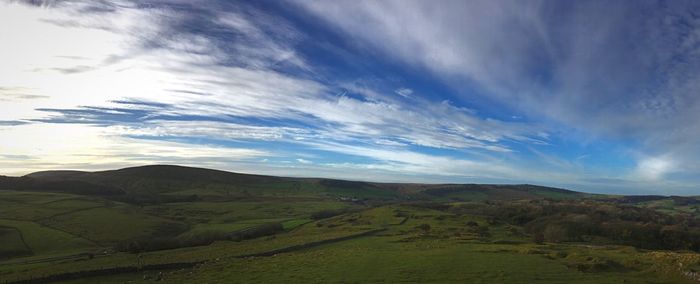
point(194, 225)
point(174, 181)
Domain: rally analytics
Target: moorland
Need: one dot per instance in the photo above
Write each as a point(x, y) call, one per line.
point(192, 225)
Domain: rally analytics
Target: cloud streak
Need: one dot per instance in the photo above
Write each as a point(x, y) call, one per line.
point(581, 65)
point(456, 91)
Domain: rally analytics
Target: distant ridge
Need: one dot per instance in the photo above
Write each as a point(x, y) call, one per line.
point(174, 180)
point(55, 173)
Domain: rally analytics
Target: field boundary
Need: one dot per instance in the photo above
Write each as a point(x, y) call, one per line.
point(21, 236)
point(178, 265)
point(103, 272)
point(68, 213)
point(311, 244)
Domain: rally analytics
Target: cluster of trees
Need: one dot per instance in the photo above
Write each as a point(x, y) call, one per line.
point(594, 221)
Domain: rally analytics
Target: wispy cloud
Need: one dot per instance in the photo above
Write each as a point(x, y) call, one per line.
point(229, 81)
point(580, 65)
point(226, 79)
point(404, 92)
point(88, 148)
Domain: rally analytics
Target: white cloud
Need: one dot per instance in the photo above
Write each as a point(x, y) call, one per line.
point(210, 129)
point(135, 54)
point(479, 39)
point(576, 69)
point(404, 92)
point(55, 146)
point(579, 67)
point(260, 48)
point(654, 168)
point(185, 70)
point(406, 162)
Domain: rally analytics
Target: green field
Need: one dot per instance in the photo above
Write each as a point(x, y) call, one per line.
point(45, 240)
point(402, 252)
point(303, 231)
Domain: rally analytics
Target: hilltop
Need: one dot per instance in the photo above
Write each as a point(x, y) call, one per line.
point(149, 182)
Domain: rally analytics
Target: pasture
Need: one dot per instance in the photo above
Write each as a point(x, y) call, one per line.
point(253, 229)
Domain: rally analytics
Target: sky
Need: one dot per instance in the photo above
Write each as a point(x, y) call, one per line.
point(596, 96)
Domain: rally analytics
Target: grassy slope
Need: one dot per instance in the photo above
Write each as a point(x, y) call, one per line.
point(56, 224)
point(212, 184)
point(12, 243)
point(42, 240)
point(109, 225)
point(448, 252)
point(377, 259)
point(23, 214)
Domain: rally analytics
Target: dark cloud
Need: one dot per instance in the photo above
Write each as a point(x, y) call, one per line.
point(12, 122)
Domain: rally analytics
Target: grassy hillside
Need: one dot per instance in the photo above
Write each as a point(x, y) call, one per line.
point(162, 183)
point(393, 243)
point(195, 225)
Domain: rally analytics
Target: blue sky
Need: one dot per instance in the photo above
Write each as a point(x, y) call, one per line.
point(596, 96)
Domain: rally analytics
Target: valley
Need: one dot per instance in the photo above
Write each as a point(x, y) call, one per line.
point(179, 224)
